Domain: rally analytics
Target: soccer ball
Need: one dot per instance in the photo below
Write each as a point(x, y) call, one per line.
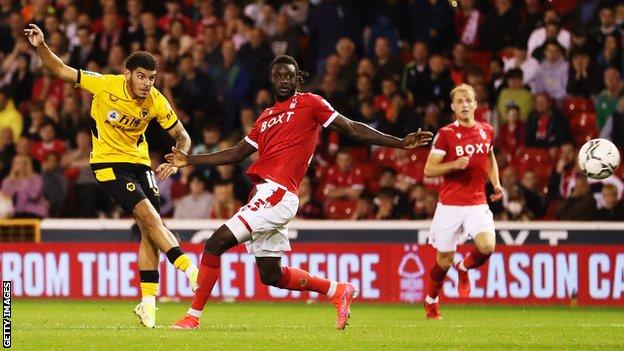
point(598, 158)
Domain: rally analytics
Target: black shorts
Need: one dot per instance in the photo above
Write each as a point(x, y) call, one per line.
point(128, 183)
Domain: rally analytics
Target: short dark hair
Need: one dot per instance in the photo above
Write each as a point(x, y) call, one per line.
point(515, 73)
point(289, 60)
point(141, 59)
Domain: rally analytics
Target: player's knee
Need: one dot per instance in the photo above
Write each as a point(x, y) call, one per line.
point(270, 278)
point(218, 244)
point(486, 248)
point(445, 261)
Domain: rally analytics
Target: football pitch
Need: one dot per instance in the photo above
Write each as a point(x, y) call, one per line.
point(108, 325)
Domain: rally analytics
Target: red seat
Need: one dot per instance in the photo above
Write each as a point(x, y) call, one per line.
point(384, 156)
point(537, 160)
point(583, 127)
point(339, 209)
point(576, 104)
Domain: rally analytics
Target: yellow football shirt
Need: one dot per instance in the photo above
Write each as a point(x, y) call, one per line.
point(118, 131)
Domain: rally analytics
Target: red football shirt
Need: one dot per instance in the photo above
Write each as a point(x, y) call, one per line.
point(285, 136)
point(464, 187)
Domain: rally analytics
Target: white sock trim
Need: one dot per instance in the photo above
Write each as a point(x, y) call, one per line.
point(429, 300)
point(195, 313)
point(332, 288)
point(149, 300)
point(462, 267)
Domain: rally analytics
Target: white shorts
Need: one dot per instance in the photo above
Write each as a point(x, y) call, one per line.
point(452, 225)
point(263, 222)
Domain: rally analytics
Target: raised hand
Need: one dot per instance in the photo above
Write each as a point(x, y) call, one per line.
point(177, 157)
point(34, 35)
point(420, 138)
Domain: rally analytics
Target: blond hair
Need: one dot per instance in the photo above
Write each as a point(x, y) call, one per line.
point(464, 88)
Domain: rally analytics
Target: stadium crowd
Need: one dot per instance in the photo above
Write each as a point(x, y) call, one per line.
point(548, 76)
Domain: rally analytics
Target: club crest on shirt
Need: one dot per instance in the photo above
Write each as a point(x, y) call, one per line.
point(482, 133)
point(458, 135)
point(144, 113)
point(112, 115)
point(293, 103)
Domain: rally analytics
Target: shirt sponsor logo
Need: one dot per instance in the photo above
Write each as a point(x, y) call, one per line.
point(279, 119)
point(470, 149)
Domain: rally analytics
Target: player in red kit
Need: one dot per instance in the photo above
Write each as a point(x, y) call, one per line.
point(463, 153)
point(284, 136)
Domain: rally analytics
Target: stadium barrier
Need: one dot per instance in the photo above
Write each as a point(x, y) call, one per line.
point(392, 271)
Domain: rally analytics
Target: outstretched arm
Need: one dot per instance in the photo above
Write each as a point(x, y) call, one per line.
point(362, 132)
point(183, 143)
point(237, 153)
point(50, 61)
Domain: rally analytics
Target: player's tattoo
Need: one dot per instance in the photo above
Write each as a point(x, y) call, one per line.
point(181, 136)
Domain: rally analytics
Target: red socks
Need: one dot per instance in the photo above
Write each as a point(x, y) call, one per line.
point(300, 280)
point(436, 279)
point(208, 274)
point(474, 259)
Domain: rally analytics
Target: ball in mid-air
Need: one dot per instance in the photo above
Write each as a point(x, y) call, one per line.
point(598, 158)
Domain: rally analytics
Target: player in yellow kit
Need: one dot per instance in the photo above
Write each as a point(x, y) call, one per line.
point(122, 107)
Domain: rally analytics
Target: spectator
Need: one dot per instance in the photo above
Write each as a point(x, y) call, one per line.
point(511, 135)
point(539, 36)
point(26, 188)
point(552, 30)
point(225, 204)
point(7, 151)
point(580, 206)
point(468, 24)
point(546, 127)
point(54, 184)
point(533, 195)
point(614, 126)
point(174, 13)
point(387, 64)
point(308, 207)
point(502, 26)
point(386, 205)
point(48, 144)
point(429, 20)
point(9, 116)
point(330, 21)
point(610, 55)
point(48, 88)
point(514, 94)
point(345, 51)
point(344, 180)
point(211, 135)
point(526, 63)
point(285, 39)
point(232, 173)
point(20, 79)
point(197, 93)
point(458, 63)
point(85, 51)
point(562, 180)
point(112, 33)
point(608, 98)
point(233, 84)
point(178, 31)
point(364, 88)
point(581, 75)
point(552, 75)
point(612, 209)
point(256, 55)
point(418, 195)
point(211, 46)
point(180, 185)
point(89, 197)
point(607, 27)
point(198, 203)
point(415, 75)
point(149, 27)
point(439, 83)
point(515, 208)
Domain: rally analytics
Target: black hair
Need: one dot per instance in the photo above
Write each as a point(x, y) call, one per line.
point(141, 59)
point(302, 76)
point(515, 73)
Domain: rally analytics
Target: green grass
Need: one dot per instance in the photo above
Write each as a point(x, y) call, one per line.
point(106, 325)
